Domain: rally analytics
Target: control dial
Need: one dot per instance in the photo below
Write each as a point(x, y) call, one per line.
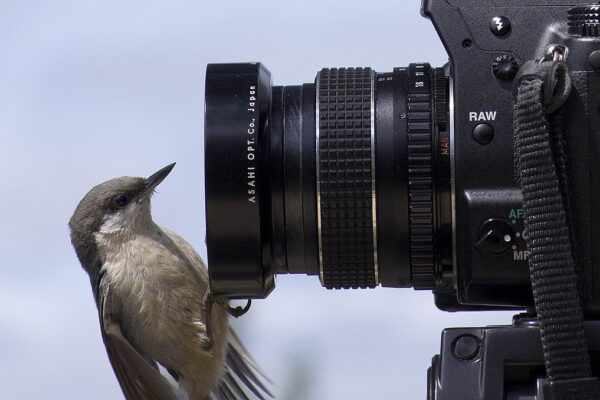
point(585, 20)
point(495, 236)
point(505, 67)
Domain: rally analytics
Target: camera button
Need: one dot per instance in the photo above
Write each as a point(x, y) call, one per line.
point(483, 133)
point(500, 26)
point(595, 59)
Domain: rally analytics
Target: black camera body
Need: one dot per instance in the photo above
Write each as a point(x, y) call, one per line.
point(487, 43)
point(401, 179)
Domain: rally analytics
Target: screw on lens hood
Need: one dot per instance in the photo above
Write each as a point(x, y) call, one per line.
point(238, 105)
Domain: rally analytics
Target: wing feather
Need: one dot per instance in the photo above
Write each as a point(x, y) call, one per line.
point(138, 377)
point(241, 367)
point(226, 392)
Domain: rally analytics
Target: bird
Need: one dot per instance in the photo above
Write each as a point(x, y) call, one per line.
point(150, 287)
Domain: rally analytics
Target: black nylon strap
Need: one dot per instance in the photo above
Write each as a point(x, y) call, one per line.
point(540, 163)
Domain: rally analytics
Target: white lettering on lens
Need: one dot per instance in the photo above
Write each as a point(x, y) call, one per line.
point(251, 148)
point(252, 99)
point(251, 182)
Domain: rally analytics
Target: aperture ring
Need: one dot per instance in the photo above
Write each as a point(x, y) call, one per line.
point(346, 196)
point(420, 176)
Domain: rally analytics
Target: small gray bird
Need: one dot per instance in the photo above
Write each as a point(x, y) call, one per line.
point(149, 285)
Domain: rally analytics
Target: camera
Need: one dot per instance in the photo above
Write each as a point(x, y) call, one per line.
point(407, 178)
point(403, 178)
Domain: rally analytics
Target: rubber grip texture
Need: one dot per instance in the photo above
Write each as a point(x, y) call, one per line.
point(345, 178)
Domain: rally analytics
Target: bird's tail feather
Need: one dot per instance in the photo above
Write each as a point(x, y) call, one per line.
point(243, 378)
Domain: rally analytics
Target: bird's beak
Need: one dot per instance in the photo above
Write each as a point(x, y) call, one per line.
point(156, 178)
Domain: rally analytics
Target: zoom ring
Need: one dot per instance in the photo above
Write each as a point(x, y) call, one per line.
point(345, 184)
point(420, 178)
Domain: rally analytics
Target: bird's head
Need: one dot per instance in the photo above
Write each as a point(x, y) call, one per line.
point(115, 207)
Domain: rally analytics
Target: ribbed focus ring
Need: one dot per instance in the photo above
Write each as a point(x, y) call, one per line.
point(345, 178)
point(420, 176)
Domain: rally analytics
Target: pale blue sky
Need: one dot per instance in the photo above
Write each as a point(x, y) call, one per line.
point(92, 90)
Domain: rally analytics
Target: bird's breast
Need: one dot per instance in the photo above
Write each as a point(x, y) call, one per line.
point(161, 300)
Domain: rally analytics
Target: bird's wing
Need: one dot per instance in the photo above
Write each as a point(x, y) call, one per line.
point(243, 378)
point(138, 377)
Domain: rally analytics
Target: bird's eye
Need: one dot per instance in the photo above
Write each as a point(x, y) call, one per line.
point(120, 201)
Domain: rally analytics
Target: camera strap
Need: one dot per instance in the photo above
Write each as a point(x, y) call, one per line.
point(542, 87)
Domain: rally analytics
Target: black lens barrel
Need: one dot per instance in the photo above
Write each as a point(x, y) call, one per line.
point(347, 178)
point(260, 180)
point(299, 167)
point(238, 179)
point(392, 178)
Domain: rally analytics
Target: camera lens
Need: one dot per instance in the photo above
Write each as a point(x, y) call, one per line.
point(347, 178)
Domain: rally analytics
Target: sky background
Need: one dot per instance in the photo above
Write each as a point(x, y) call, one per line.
point(93, 90)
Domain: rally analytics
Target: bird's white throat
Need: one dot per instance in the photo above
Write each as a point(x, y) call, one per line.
point(119, 226)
